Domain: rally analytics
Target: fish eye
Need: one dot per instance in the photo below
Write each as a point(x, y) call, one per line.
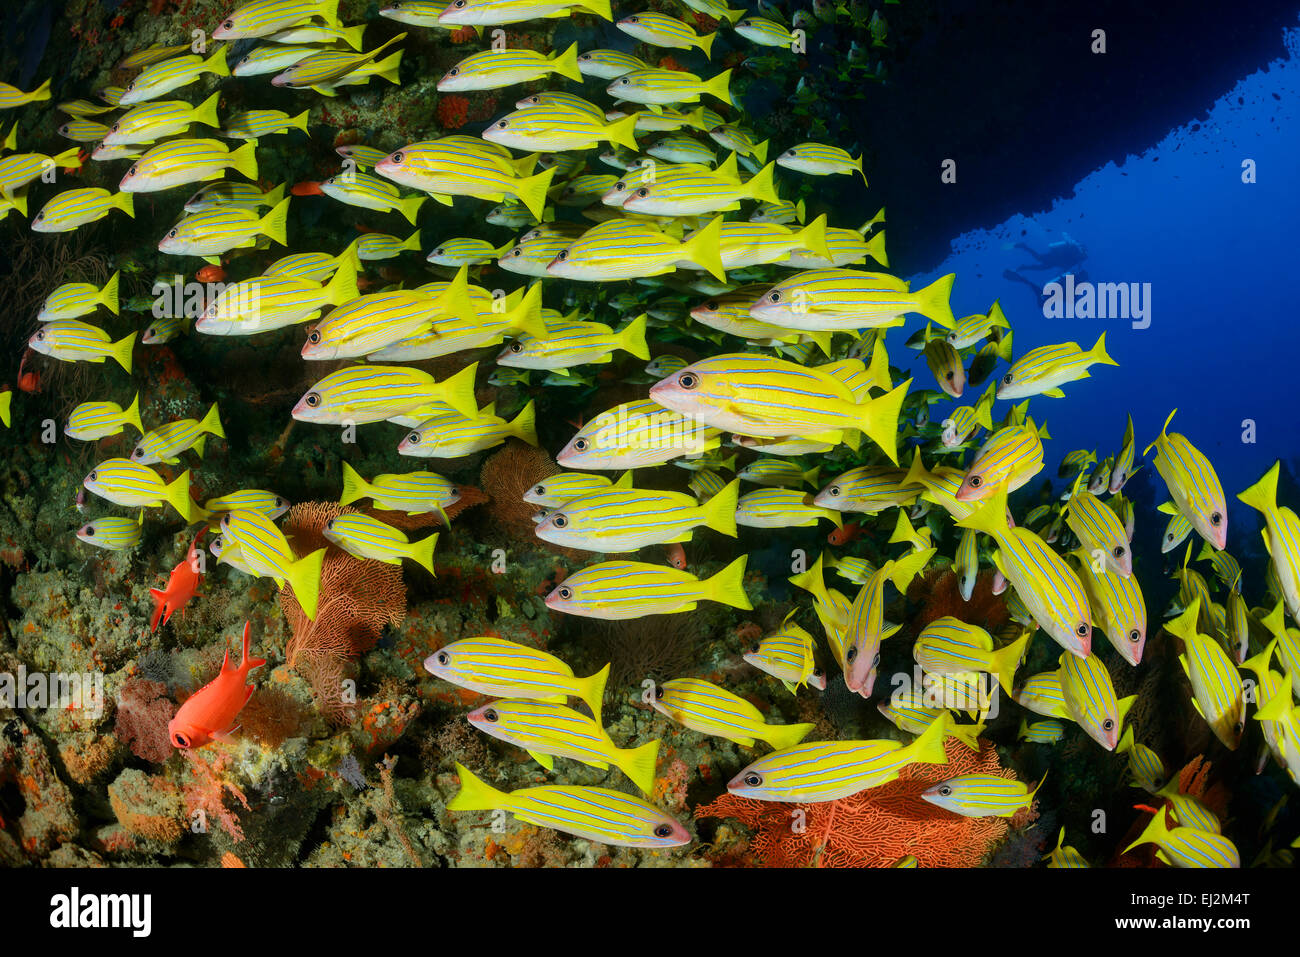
point(40, 215)
point(663, 830)
point(1119, 551)
point(1082, 630)
point(397, 157)
point(443, 657)
point(138, 453)
point(516, 251)
point(131, 85)
point(180, 740)
point(688, 380)
point(948, 376)
point(753, 649)
point(753, 779)
point(491, 715)
point(620, 186)
point(711, 306)
point(975, 481)
point(623, 82)
point(1006, 379)
point(659, 692)
point(314, 337)
point(944, 790)
point(516, 347)
point(312, 399)
point(1216, 518)
point(172, 234)
point(279, 502)
point(1133, 636)
point(566, 593)
point(876, 660)
point(88, 530)
point(633, 19)
point(458, 4)
point(580, 445)
point(329, 526)
point(503, 124)
point(131, 171)
point(564, 254)
point(585, 56)
point(833, 490)
point(94, 476)
point(559, 521)
point(818, 672)
point(540, 490)
point(643, 192)
point(774, 296)
point(413, 438)
point(40, 336)
point(453, 71)
point(229, 24)
point(1108, 724)
point(851, 654)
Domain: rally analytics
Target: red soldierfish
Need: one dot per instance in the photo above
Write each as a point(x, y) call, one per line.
point(210, 712)
point(183, 582)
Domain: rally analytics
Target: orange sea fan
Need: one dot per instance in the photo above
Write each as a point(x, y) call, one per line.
point(876, 827)
point(357, 599)
point(506, 476)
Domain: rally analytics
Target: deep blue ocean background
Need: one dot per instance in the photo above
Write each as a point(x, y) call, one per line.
point(1221, 258)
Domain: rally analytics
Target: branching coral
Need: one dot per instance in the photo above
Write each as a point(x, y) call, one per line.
point(876, 827)
point(662, 647)
point(143, 710)
point(357, 599)
point(938, 595)
point(509, 473)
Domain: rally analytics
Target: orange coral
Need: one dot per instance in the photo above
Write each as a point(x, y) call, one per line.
point(938, 594)
point(452, 112)
point(357, 599)
point(876, 827)
point(506, 476)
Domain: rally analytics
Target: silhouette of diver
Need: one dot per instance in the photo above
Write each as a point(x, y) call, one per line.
point(1064, 256)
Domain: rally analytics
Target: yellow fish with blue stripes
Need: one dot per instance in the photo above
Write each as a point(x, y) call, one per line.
point(167, 442)
point(261, 18)
point(374, 393)
point(72, 300)
point(1192, 483)
point(506, 669)
point(1217, 691)
point(620, 590)
point(623, 520)
point(704, 707)
point(596, 814)
point(1281, 536)
point(363, 536)
point(76, 207)
point(71, 340)
point(982, 795)
point(1187, 846)
point(448, 434)
point(172, 74)
point(551, 729)
point(1044, 370)
point(90, 421)
point(264, 549)
point(830, 770)
point(128, 483)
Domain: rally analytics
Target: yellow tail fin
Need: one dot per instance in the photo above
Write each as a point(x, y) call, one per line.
point(782, 736)
point(410, 207)
point(879, 419)
point(705, 43)
point(1262, 496)
point(719, 512)
point(342, 286)
point(458, 391)
point(108, 295)
point(928, 748)
point(524, 425)
point(933, 301)
point(591, 690)
point(131, 414)
point(206, 112)
point(422, 553)
point(622, 132)
point(354, 486)
point(720, 86)
point(121, 351)
point(125, 202)
point(304, 576)
point(631, 337)
point(639, 764)
point(177, 494)
point(762, 187)
point(532, 191)
point(566, 64)
point(275, 223)
point(728, 585)
point(211, 423)
point(217, 62)
point(475, 794)
point(704, 249)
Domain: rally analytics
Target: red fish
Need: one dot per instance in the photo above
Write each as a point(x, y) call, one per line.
point(210, 712)
point(848, 533)
point(306, 188)
point(28, 381)
point(676, 555)
point(210, 274)
point(183, 582)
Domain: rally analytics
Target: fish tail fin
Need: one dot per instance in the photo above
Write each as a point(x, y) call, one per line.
point(68, 159)
point(299, 122)
point(734, 15)
point(349, 253)
point(728, 585)
point(782, 736)
point(762, 186)
point(639, 764)
point(968, 734)
point(566, 64)
point(476, 794)
point(524, 425)
point(813, 237)
point(705, 43)
point(909, 566)
point(42, 92)
point(903, 530)
point(108, 295)
point(527, 315)
point(177, 494)
point(342, 286)
point(822, 338)
point(1164, 431)
point(933, 301)
point(876, 249)
point(991, 517)
point(879, 419)
point(206, 112)
point(211, 423)
point(304, 576)
point(720, 86)
point(532, 191)
point(352, 35)
point(1098, 352)
point(632, 337)
point(217, 62)
point(458, 391)
point(131, 414)
point(1006, 660)
point(247, 664)
point(354, 486)
point(719, 512)
point(928, 748)
point(591, 691)
point(1280, 705)
point(412, 242)
point(275, 195)
point(760, 151)
point(275, 223)
point(623, 132)
point(421, 552)
point(600, 8)
point(125, 202)
point(812, 475)
point(121, 351)
point(704, 249)
point(1153, 832)
point(857, 164)
point(1262, 496)
point(410, 207)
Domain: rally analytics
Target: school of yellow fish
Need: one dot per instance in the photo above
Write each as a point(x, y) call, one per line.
point(806, 370)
